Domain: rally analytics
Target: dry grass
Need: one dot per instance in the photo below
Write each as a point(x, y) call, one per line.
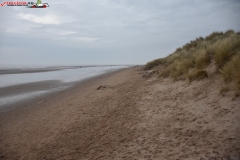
point(237, 92)
point(224, 89)
point(213, 36)
point(231, 72)
point(154, 63)
point(202, 59)
point(196, 74)
point(191, 60)
point(225, 49)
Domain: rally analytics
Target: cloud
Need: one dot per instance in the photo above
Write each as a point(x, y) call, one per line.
point(86, 39)
point(139, 29)
point(60, 32)
point(45, 19)
point(79, 39)
point(64, 33)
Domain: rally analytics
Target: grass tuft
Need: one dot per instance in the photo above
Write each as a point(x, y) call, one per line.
point(202, 59)
point(197, 74)
point(224, 89)
point(224, 49)
point(154, 63)
point(230, 31)
point(231, 71)
point(237, 92)
point(213, 36)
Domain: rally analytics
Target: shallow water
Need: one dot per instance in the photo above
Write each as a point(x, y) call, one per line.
point(66, 76)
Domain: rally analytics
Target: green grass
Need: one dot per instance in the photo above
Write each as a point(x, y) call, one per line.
point(191, 60)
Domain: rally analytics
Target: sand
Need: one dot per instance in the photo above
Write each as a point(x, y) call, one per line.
point(130, 117)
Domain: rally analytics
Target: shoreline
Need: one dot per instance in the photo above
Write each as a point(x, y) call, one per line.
point(44, 86)
point(129, 118)
point(48, 69)
point(25, 91)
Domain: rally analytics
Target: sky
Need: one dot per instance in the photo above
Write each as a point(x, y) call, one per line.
point(82, 32)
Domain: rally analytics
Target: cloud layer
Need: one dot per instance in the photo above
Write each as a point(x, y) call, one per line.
point(108, 32)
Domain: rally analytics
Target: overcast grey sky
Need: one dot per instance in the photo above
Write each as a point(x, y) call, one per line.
point(108, 31)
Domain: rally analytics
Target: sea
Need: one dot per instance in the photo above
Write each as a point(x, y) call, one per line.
point(19, 84)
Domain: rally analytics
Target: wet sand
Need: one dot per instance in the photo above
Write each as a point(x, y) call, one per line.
point(19, 71)
point(130, 117)
point(29, 87)
point(47, 69)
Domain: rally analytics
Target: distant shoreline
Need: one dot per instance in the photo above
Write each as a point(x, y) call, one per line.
point(47, 69)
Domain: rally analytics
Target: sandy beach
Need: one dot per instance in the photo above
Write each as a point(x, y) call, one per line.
point(128, 117)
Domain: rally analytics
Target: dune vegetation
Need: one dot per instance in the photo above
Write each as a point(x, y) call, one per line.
point(192, 61)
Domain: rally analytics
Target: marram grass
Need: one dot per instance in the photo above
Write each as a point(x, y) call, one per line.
point(191, 60)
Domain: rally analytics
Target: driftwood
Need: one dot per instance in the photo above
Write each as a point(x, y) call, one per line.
point(101, 87)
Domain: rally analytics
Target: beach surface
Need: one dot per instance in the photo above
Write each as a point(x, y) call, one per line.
point(121, 115)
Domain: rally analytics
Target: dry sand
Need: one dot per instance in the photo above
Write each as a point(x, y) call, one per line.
point(129, 118)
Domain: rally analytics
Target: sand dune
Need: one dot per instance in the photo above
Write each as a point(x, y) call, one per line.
point(129, 118)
